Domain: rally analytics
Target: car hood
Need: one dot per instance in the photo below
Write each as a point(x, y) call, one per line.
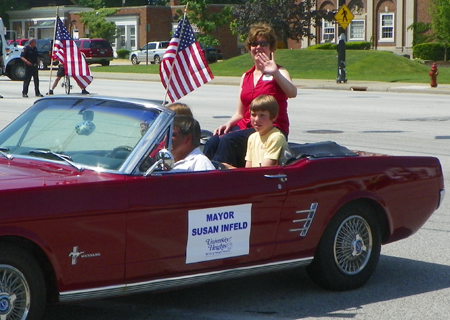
point(24, 173)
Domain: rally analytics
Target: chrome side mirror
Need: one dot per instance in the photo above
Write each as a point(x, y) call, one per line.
point(167, 159)
point(164, 162)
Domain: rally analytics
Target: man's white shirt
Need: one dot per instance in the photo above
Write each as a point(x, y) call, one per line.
point(194, 161)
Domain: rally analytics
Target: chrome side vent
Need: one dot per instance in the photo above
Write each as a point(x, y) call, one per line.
point(306, 221)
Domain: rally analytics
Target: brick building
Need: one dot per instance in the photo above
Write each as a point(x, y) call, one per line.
point(136, 25)
point(383, 22)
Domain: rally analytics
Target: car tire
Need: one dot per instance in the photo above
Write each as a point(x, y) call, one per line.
point(22, 285)
point(41, 64)
point(105, 63)
point(17, 72)
point(157, 59)
point(349, 249)
point(134, 60)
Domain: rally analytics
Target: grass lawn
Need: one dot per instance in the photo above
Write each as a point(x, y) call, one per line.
point(369, 65)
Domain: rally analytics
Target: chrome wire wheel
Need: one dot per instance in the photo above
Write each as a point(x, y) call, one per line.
point(14, 294)
point(353, 245)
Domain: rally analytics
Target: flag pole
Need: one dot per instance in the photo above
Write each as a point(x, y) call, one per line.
point(53, 48)
point(171, 71)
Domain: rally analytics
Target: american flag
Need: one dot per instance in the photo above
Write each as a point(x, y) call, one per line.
point(183, 68)
point(66, 51)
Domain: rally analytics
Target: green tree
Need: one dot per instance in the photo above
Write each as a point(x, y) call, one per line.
point(290, 19)
point(206, 20)
point(440, 22)
point(421, 32)
point(97, 25)
point(7, 5)
point(229, 1)
point(97, 4)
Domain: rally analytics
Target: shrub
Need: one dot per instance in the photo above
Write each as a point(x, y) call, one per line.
point(123, 53)
point(357, 45)
point(323, 46)
point(429, 51)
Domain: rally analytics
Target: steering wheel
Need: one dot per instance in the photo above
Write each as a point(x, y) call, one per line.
point(118, 149)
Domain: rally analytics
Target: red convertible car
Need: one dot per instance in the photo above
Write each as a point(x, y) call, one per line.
point(90, 208)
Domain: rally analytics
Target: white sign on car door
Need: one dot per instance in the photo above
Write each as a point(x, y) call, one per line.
point(218, 233)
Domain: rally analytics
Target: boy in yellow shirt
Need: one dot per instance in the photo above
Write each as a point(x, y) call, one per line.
point(264, 146)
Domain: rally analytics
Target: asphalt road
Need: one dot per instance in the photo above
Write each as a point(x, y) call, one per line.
point(412, 280)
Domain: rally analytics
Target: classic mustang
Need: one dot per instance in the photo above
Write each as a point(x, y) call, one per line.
point(90, 208)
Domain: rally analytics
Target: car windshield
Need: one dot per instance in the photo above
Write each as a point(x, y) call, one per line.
point(90, 132)
point(100, 44)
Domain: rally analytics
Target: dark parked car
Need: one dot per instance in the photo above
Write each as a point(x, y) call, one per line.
point(211, 54)
point(96, 50)
point(44, 47)
point(90, 208)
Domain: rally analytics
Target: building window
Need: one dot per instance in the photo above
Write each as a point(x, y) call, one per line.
point(133, 37)
point(386, 27)
point(122, 37)
point(357, 30)
point(327, 31)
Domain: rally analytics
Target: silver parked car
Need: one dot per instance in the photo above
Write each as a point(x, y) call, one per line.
point(154, 50)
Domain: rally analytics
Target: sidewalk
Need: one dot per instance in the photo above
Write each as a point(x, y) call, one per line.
point(300, 83)
point(303, 83)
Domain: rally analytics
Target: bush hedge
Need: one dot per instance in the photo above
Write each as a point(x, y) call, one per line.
point(430, 51)
point(356, 45)
point(123, 53)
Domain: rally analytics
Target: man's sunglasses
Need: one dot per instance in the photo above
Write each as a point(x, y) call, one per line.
point(261, 43)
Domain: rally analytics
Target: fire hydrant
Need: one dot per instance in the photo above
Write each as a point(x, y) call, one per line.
point(433, 74)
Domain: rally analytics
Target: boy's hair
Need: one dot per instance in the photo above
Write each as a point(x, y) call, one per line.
point(180, 109)
point(265, 102)
point(262, 30)
point(187, 125)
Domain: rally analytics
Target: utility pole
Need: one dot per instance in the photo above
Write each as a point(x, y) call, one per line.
point(341, 73)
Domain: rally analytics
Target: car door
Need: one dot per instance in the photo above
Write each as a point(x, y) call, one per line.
point(311, 198)
point(151, 51)
point(192, 221)
point(142, 53)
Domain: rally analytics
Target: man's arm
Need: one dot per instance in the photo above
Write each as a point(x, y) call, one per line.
point(22, 57)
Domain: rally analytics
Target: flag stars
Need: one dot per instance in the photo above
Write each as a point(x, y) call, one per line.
point(187, 38)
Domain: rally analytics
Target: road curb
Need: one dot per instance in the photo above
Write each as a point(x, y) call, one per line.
point(356, 86)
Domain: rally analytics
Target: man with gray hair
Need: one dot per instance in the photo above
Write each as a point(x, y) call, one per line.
point(185, 146)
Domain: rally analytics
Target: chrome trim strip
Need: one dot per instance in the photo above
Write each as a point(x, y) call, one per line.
point(441, 197)
point(159, 284)
point(303, 211)
point(308, 220)
point(297, 230)
point(300, 220)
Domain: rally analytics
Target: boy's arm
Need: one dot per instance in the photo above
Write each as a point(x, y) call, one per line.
point(268, 163)
point(274, 146)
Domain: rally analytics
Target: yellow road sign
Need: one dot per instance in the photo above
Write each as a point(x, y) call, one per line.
point(344, 17)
